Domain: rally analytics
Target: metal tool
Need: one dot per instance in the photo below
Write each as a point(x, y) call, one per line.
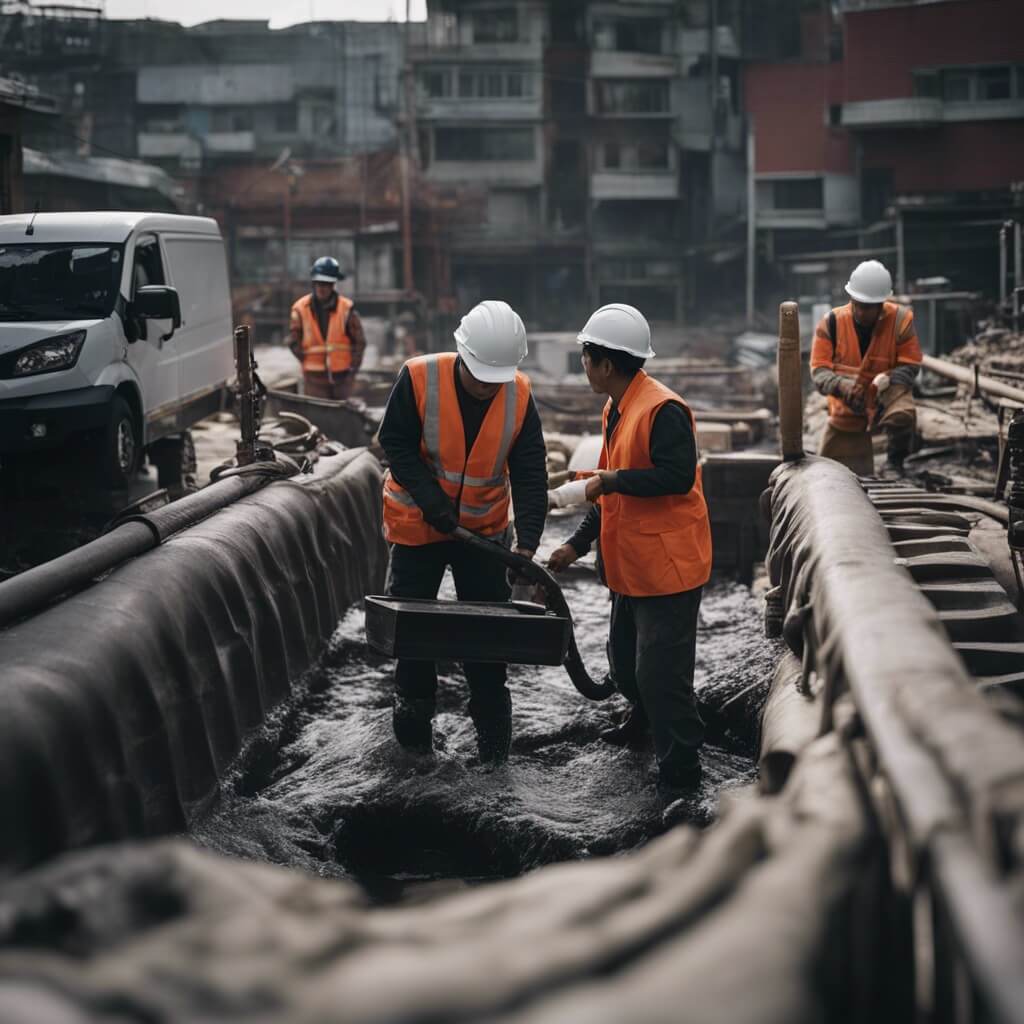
point(467, 630)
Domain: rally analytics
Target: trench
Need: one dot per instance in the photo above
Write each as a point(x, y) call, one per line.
point(323, 785)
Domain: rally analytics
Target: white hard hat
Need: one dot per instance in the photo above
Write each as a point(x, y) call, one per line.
point(492, 341)
point(870, 282)
point(620, 327)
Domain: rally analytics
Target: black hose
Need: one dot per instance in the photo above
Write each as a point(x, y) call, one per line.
point(554, 601)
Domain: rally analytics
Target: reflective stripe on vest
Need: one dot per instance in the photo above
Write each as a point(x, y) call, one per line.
point(847, 361)
point(316, 350)
point(650, 546)
point(483, 500)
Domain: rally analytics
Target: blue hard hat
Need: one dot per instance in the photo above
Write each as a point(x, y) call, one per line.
point(327, 269)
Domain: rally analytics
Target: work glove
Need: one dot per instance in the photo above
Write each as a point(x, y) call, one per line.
point(882, 382)
point(443, 520)
point(851, 393)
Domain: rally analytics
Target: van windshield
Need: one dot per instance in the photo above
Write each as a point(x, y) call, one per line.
point(59, 280)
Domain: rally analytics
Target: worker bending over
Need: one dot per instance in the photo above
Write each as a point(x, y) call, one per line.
point(654, 547)
point(327, 335)
point(865, 358)
point(464, 441)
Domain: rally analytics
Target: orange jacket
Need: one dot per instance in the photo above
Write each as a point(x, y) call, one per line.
point(477, 483)
point(893, 341)
point(650, 546)
point(315, 349)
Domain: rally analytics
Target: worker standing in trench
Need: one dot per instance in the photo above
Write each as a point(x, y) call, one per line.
point(654, 547)
point(327, 335)
point(865, 358)
point(464, 441)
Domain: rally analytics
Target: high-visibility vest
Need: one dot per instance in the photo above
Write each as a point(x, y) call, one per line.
point(650, 546)
point(893, 341)
point(315, 348)
point(477, 482)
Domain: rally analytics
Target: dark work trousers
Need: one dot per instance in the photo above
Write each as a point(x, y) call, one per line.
point(417, 572)
point(652, 646)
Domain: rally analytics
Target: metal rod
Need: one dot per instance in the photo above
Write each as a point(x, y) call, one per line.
point(1003, 264)
point(245, 369)
point(966, 375)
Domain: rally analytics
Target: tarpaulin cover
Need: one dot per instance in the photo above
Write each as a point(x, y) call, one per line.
point(122, 705)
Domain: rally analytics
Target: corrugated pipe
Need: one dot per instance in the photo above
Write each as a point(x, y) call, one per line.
point(34, 589)
point(791, 399)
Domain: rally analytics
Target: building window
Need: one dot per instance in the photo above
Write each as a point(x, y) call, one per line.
point(927, 84)
point(652, 156)
point(483, 144)
point(494, 85)
point(612, 156)
point(285, 120)
point(994, 84)
point(632, 97)
point(835, 115)
point(799, 194)
point(500, 26)
point(436, 84)
point(638, 35)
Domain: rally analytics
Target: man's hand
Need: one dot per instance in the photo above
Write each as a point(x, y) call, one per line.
point(602, 482)
point(444, 521)
point(851, 392)
point(562, 557)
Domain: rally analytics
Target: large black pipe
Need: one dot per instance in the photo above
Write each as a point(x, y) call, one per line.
point(34, 589)
point(555, 601)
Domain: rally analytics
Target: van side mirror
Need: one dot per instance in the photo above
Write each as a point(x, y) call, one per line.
point(158, 302)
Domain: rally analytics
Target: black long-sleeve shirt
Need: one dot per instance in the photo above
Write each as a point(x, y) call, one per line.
point(674, 454)
point(401, 432)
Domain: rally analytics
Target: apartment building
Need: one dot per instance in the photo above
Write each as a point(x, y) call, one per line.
point(588, 124)
point(897, 131)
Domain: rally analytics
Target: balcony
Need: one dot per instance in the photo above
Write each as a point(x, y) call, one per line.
point(634, 185)
point(183, 146)
point(892, 113)
point(455, 109)
point(615, 64)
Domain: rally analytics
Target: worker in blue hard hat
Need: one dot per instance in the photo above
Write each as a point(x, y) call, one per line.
point(327, 335)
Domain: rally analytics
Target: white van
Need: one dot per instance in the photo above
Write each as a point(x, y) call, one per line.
point(115, 328)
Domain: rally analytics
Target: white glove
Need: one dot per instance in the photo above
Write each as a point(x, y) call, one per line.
point(572, 493)
point(881, 382)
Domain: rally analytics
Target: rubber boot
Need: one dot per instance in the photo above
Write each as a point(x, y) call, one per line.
point(492, 717)
point(412, 721)
point(677, 791)
point(632, 733)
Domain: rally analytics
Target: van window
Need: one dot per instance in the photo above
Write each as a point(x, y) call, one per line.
point(58, 281)
point(199, 272)
point(147, 269)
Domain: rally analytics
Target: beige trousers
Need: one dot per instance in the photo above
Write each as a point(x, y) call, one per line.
point(853, 448)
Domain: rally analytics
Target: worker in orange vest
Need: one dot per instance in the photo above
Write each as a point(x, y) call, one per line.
point(463, 441)
point(865, 358)
point(327, 335)
point(654, 545)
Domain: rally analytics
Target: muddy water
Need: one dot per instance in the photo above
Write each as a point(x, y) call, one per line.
point(325, 787)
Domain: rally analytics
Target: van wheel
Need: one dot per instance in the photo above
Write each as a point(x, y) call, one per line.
point(119, 446)
point(175, 462)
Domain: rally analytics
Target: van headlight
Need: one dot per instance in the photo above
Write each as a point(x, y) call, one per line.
point(59, 353)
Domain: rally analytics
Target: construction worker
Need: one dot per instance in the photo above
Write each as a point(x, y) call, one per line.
point(327, 335)
point(654, 547)
point(463, 440)
point(865, 358)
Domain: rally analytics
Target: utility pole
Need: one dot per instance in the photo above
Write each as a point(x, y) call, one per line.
point(713, 108)
point(405, 158)
point(751, 223)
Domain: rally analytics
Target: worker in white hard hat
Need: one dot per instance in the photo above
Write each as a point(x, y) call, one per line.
point(865, 359)
point(654, 544)
point(464, 442)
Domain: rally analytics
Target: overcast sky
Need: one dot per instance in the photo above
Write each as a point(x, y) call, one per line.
point(278, 12)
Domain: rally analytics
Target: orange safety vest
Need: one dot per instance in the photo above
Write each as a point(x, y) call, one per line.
point(893, 341)
point(650, 546)
point(337, 346)
point(477, 483)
